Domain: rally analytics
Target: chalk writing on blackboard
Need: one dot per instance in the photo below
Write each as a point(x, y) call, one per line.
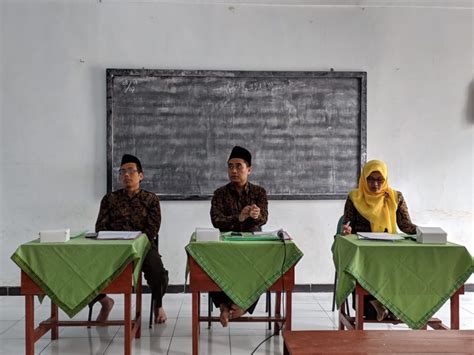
point(306, 130)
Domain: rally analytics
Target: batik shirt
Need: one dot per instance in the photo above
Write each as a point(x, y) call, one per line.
point(227, 204)
point(119, 212)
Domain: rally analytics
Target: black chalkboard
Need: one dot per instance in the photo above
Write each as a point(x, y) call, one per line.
point(305, 130)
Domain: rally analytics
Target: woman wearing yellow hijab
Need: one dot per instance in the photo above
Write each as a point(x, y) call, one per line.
point(374, 206)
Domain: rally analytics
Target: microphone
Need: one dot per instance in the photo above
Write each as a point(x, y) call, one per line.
point(280, 235)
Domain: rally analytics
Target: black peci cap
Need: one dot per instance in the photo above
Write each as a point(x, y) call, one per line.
point(128, 158)
point(241, 153)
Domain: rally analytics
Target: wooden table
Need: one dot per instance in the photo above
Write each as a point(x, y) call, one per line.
point(378, 342)
point(199, 282)
point(123, 284)
point(357, 322)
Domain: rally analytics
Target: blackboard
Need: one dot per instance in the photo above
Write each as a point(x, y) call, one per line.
point(305, 130)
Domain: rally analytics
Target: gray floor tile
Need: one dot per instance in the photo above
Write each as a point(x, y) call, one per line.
point(77, 346)
point(310, 311)
point(17, 346)
point(241, 345)
point(142, 346)
point(212, 345)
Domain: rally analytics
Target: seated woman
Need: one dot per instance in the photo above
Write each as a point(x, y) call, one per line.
point(375, 207)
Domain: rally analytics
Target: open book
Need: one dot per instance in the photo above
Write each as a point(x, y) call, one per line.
point(113, 235)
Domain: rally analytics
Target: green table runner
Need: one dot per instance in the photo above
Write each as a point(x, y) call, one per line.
point(73, 273)
point(412, 280)
point(244, 269)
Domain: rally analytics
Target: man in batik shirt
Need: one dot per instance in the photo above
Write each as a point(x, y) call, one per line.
point(238, 206)
point(134, 209)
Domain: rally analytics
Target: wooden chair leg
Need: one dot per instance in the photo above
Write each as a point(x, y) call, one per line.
point(152, 304)
point(209, 311)
point(359, 316)
point(341, 314)
point(89, 317)
point(269, 308)
point(29, 325)
point(277, 327)
point(54, 318)
point(454, 307)
point(334, 293)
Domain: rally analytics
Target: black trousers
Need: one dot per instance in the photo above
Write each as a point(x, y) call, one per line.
point(155, 275)
point(220, 297)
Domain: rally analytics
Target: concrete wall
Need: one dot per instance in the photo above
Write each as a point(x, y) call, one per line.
point(2, 130)
point(419, 62)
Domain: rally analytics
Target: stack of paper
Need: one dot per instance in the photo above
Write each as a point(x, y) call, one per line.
point(379, 236)
point(207, 234)
point(112, 235)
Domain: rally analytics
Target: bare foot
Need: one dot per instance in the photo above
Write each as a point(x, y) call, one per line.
point(107, 305)
point(160, 315)
point(225, 315)
point(236, 311)
point(382, 311)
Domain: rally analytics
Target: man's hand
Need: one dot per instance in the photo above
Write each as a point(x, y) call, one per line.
point(254, 211)
point(245, 213)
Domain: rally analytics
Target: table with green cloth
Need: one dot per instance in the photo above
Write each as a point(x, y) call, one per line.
point(412, 280)
point(244, 269)
point(74, 272)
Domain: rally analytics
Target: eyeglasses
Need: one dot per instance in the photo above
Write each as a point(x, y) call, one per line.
point(128, 171)
point(235, 166)
point(371, 180)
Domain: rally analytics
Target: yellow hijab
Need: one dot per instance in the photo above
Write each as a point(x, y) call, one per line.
point(379, 208)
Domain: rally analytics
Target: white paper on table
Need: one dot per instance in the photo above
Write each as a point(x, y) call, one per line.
point(111, 235)
point(379, 236)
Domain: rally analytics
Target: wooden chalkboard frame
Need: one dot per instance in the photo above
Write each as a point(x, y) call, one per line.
point(360, 76)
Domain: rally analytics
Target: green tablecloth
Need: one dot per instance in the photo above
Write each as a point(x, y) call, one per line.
point(244, 269)
point(412, 280)
point(73, 273)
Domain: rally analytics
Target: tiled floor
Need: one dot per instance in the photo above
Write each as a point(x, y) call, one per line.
point(310, 311)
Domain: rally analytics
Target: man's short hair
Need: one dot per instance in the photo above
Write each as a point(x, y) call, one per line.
point(128, 158)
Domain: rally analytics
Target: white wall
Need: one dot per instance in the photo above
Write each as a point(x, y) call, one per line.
point(419, 63)
point(2, 130)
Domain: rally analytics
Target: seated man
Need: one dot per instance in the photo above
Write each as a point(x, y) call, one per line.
point(241, 207)
point(133, 209)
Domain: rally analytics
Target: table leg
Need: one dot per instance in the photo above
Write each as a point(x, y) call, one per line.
point(277, 327)
point(138, 309)
point(288, 311)
point(455, 310)
point(342, 312)
point(359, 320)
point(128, 324)
point(29, 325)
point(285, 349)
point(54, 318)
point(195, 322)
